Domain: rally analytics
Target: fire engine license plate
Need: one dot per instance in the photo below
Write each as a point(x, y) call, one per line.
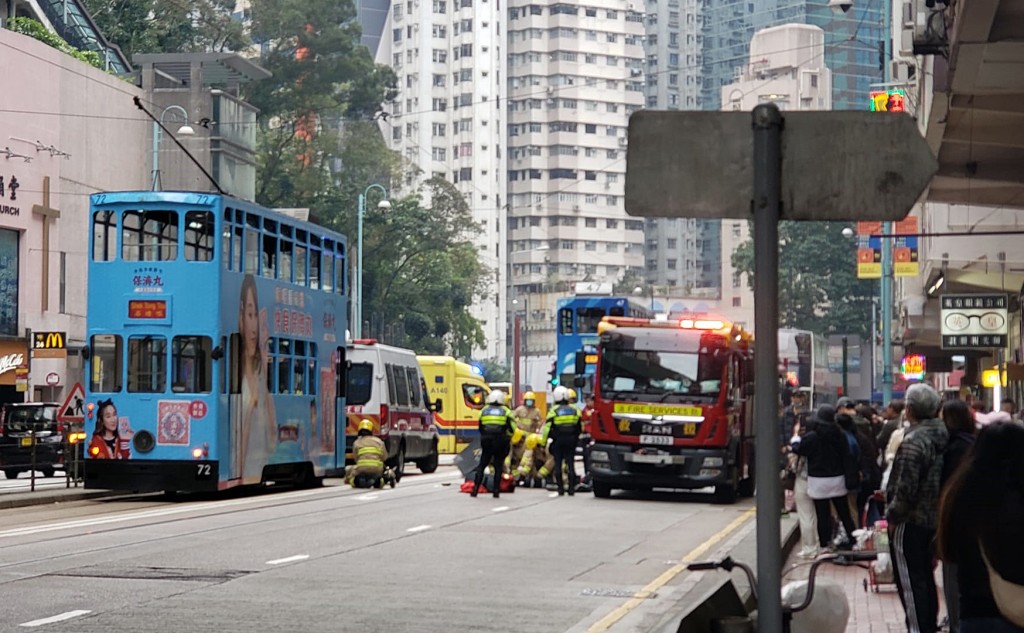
point(663, 440)
point(26, 441)
point(689, 429)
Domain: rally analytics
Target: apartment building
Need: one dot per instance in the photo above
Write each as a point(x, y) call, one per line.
point(576, 73)
point(787, 68)
point(449, 120)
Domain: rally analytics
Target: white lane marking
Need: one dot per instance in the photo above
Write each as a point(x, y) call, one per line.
point(162, 512)
point(419, 528)
point(367, 497)
point(290, 559)
point(67, 615)
point(499, 509)
point(552, 495)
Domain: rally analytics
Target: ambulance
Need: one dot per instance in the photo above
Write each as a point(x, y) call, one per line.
point(462, 393)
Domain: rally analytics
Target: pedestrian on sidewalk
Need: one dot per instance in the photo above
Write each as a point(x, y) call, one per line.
point(805, 512)
point(912, 508)
point(982, 507)
point(825, 448)
point(956, 415)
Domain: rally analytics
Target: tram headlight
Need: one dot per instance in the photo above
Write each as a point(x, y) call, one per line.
point(197, 453)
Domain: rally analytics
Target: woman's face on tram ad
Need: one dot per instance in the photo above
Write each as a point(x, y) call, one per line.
point(249, 319)
point(109, 418)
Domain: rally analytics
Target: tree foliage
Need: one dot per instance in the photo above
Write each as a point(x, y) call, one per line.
point(818, 285)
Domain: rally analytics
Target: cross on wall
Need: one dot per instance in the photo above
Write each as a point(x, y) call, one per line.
point(47, 213)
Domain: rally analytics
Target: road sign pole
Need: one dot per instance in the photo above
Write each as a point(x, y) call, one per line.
point(885, 290)
point(765, 206)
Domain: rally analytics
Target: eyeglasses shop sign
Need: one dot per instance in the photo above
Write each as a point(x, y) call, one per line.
point(974, 321)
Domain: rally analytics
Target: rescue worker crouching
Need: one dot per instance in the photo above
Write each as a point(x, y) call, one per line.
point(369, 453)
point(528, 420)
point(497, 426)
point(563, 427)
point(537, 463)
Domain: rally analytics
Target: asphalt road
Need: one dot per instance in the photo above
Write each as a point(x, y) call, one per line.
point(421, 557)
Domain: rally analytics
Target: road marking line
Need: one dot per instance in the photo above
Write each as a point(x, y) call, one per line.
point(419, 528)
point(56, 618)
point(622, 610)
point(367, 497)
point(290, 559)
point(552, 495)
point(499, 509)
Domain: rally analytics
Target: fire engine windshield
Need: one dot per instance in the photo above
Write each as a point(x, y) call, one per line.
point(660, 365)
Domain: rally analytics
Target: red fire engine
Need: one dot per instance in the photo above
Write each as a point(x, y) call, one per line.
point(673, 406)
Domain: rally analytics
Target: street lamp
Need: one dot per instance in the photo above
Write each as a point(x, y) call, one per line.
point(521, 372)
point(885, 303)
point(639, 291)
point(184, 130)
point(357, 305)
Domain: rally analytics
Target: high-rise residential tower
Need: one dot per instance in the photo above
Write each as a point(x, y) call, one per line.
point(576, 73)
point(449, 120)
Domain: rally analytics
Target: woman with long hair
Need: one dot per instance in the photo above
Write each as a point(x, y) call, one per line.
point(982, 510)
point(106, 442)
point(258, 419)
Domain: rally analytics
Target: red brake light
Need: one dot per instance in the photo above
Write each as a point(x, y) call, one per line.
point(383, 416)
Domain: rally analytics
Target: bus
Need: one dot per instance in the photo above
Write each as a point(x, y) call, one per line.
point(578, 320)
point(215, 344)
point(803, 362)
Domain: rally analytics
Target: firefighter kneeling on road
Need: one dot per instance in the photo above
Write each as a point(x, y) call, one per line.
point(497, 426)
point(370, 454)
point(563, 427)
point(537, 463)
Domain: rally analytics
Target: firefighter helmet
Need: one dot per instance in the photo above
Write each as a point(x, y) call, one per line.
point(366, 424)
point(532, 440)
point(572, 395)
point(517, 436)
point(529, 396)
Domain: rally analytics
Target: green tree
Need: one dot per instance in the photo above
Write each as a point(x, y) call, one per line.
point(496, 371)
point(421, 272)
point(818, 285)
point(169, 26)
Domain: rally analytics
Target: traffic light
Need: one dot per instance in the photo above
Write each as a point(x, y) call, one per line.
point(553, 372)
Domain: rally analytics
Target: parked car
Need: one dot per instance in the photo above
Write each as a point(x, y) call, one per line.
point(17, 423)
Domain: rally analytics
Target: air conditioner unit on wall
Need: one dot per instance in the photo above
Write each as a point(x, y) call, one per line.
point(930, 27)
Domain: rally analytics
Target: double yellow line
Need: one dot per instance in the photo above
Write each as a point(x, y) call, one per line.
point(650, 588)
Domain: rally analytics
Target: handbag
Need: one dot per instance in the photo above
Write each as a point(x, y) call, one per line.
point(788, 478)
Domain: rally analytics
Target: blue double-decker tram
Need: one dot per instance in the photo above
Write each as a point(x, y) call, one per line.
point(216, 344)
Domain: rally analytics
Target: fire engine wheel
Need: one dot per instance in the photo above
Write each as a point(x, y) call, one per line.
point(48, 471)
point(602, 490)
point(726, 493)
point(400, 464)
point(11, 473)
point(748, 486)
point(428, 464)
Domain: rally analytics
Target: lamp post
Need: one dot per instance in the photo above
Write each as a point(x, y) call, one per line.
point(184, 130)
point(521, 372)
point(885, 301)
point(357, 305)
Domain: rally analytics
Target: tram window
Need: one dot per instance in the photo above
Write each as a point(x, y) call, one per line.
point(147, 364)
point(589, 319)
point(284, 370)
point(314, 269)
point(104, 236)
point(284, 268)
point(339, 274)
point(300, 265)
point(236, 249)
point(328, 273)
point(225, 247)
point(269, 256)
point(149, 236)
point(252, 251)
point(616, 312)
point(199, 236)
point(191, 365)
point(565, 321)
point(105, 376)
point(311, 374)
point(299, 380)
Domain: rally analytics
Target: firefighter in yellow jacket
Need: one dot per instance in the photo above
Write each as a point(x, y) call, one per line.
point(537, 463)
point(528, 420)
point(370, 454)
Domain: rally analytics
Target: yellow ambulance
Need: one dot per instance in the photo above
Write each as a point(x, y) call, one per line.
point(462, 392)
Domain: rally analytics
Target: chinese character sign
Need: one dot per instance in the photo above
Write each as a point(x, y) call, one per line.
point(974, 321)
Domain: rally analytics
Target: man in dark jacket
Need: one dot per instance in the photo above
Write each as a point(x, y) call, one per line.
point(913, 501)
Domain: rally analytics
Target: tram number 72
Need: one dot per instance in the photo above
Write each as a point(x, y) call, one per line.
point(204, 471)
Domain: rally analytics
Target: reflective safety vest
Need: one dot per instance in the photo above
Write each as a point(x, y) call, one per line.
point(369, 454)
point(495, 419)
point(563, 420)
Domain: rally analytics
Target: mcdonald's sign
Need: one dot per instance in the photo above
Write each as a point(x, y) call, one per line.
point(49, 340)
point(49, 345)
